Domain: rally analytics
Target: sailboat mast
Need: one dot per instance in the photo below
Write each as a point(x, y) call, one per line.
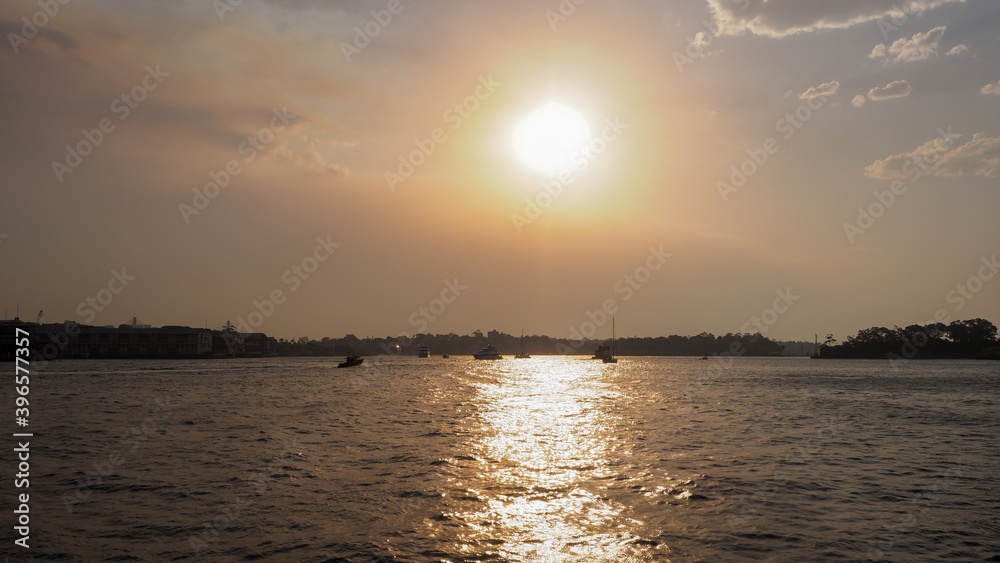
point(614, 339)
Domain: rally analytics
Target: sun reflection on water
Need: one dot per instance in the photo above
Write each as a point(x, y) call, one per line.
point(548, 446)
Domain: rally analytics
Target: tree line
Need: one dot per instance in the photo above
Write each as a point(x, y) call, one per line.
point(974, 338)
point(704, 344)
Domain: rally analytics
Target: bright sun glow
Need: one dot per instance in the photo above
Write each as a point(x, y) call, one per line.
point(548, 138)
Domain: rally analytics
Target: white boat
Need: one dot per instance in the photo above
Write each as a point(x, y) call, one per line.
point(424, 351)
point(488, 353)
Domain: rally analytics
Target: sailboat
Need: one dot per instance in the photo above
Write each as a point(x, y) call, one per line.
point(522, 354)
point(610, 358)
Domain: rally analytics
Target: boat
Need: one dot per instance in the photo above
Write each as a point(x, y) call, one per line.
point(603, 351)
point(488, 353)
point(445, 356)
point(351, 361)
point(610, 358)
point(522, 355)
point(424, 351)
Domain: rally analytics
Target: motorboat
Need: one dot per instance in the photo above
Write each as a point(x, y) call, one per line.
point(488, 353)
point(351, 361)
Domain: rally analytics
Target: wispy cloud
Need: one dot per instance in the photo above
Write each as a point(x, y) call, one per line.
point(827, 89)
point(858, 101)
point(897, 89)
point(979, 157)
point(779, 18)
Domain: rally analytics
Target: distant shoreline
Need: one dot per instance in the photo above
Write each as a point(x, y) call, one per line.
point(960, 340)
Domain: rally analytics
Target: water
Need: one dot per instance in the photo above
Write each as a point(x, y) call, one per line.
point(547, 459)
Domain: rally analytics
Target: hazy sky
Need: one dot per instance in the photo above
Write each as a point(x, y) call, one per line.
point(311, 104)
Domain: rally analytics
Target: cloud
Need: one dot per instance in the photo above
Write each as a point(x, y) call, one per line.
point(700, 40)
point(780, 18)
point(991, 89)
point(957, 50)
point(917, 48)
point(306, 152)
point(897, 89)
point(979, 157)
point(828, 89)
point(858, 101)
point(313, 161)
point(65, 42)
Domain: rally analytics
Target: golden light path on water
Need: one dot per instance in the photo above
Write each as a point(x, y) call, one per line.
point(547, 445)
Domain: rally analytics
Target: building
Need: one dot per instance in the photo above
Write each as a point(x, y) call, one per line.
point(70, 340)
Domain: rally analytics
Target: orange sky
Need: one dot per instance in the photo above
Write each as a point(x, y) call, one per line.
point(691, 107)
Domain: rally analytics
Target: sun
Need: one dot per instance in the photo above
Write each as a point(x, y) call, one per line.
point(548, 139)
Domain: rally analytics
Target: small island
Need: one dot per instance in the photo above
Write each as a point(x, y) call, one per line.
point(971, 339)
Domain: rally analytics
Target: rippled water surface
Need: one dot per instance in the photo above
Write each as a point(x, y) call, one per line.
point(545, 459)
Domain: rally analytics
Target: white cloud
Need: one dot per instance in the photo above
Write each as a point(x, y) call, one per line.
point(700, 40)
point(858, 101)
point(917, 48)
point(779, 18)
point(957, 50)
point(979, 157)
point(897, 89)
point(827, 89)
point(993, 88)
